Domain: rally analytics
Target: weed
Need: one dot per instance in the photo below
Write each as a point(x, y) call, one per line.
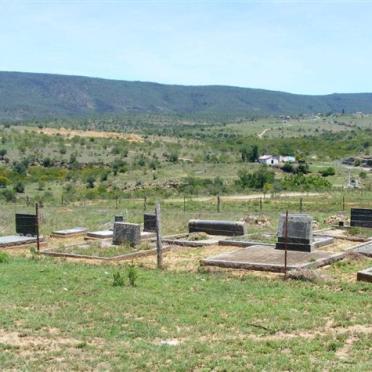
point(4, 257)
point(118, 280)
point(132, 275)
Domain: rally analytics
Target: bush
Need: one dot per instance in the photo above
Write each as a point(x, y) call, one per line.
point(19, 187)
point(9, 195)
point(118, 280)
point(257, 179)
point(132, 275)
point(330, 171)
point(4, 257)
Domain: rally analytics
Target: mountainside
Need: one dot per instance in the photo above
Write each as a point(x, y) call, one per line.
point(37, 96)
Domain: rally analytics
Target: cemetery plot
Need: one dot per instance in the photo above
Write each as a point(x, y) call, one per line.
point(193, 239)
point(104, 234)
point(365, 275)
point(103, 250)
point(11, 241)
point(68, 233)
point(365, 249)
point(267, 258)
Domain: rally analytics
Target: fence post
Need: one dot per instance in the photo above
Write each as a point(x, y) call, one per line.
point(145, 203)
point(261, 204)
point(286, 245)
point(301, 205)
point(218, 204)
point(159, 247)
point(343, 202)
point(37, 227)
point(184, 203)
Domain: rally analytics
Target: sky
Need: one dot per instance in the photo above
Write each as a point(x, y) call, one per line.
point(307, 47)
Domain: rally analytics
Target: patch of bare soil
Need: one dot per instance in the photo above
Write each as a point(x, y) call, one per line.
point(90, 134)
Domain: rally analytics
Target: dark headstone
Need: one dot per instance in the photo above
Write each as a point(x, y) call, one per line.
point(299, 233)
point(211, 227)
point(126, 233)
point(119, 218)
point(365, 275)
point(26, 224)
point(361, 217)
point(149, 222)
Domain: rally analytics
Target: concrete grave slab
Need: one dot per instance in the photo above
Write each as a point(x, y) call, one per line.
point(267, 258)
point(103, 234)
point(365, 249)
point(67, 233)
point(126, 233)
point(17, 240)
point(365, 275)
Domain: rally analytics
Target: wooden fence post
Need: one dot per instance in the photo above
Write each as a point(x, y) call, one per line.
point(218, 204)
point(37, 227)
point(159, 247)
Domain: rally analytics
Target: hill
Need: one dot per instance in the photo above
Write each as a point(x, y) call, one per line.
point(36, 96)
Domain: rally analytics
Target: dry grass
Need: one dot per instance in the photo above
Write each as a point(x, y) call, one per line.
point(89, 134)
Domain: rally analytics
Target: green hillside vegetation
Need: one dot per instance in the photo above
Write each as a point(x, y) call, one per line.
point(30, 95)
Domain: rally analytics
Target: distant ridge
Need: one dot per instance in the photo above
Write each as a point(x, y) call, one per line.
point(25, 96)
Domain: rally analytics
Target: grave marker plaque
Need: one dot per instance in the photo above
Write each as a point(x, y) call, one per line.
point(26, 224)
point(361, 217)
point(299, 233)
point(149, 222)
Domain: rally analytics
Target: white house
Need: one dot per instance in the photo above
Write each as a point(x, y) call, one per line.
point(268, 160)
point(287, 159)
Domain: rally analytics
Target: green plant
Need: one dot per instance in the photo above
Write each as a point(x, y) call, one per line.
point(118, 279)
point(132, 275)
point(4, 257)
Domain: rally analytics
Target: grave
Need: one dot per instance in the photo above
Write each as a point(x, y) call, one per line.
point(119, 219)
point(149, 222)
point(103, 234)
point(361, 217)
point(365, 275)
point(125, 232)
point(299, 232)
point(68, 233)
point(17, 240)
point(268, 258)
point(365, 249)
point(214, 227)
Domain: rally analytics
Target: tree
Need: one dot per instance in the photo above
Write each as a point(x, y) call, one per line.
point(257, 179)
point(90, 182)
point(250, 154)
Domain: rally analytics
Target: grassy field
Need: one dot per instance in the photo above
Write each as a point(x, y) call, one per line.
point(57, 315)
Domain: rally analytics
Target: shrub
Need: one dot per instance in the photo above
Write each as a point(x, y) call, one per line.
point(118, 280)
point(132, 275)
point(257, 179)
point(330, 171)
point(4, 257)
point(9, 195)
point(19, 187)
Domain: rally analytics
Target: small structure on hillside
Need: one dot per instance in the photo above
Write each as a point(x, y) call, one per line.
point(287, 159)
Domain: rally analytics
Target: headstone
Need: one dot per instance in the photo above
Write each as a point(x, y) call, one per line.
point(149, 222)
point(361, 217)
point(212, 227)
point(119, 218)
point(26, 224)
point(126, 233)
point(299, 233)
